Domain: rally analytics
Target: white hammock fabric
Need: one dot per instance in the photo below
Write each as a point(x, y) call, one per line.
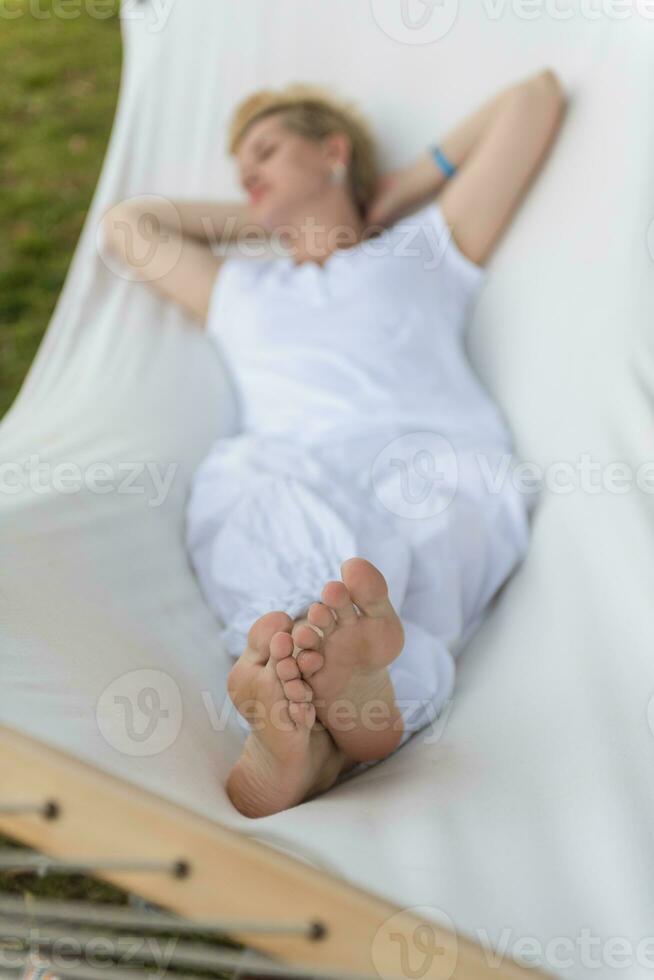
point(528, 812)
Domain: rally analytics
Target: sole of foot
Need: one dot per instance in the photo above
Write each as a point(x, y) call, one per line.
point(346, 643)
point(286, 758)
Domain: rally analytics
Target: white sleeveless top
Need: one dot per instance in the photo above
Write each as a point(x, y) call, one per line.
point(372, 340)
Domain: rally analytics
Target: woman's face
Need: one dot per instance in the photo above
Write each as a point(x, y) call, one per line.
point(282, 173)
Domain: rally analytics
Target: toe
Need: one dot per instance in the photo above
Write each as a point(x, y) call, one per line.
point(287, 669)
point(336, 596)
point(302, 713)
point(281, 647)
point(321, 616)
point(366, 586)
point(298, 690)
point(309, 661)
point(261, 633)
point(305, 637)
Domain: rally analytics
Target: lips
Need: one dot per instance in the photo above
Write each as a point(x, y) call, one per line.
point(257, 193)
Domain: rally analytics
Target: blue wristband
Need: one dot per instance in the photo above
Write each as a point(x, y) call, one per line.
point(441, 161)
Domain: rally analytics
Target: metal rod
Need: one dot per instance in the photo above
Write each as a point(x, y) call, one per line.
point(192, 955)
point(10, 861)
point(49, 810)
point(112, 916)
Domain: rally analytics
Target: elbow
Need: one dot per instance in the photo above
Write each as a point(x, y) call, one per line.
point(551, 88)
point(542, 99)
point(542, 95)
point(113, 224)
point(106, 225)
point(105, 241)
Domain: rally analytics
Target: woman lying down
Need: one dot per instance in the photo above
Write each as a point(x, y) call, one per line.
point(350, 536)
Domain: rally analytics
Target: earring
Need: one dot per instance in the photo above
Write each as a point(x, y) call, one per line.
point(338, 172)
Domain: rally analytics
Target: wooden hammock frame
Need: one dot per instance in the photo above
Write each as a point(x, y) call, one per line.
point(229, 875)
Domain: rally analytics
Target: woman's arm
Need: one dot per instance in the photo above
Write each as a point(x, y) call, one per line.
point(213, 223)
point(170, 244)
point(497, 151)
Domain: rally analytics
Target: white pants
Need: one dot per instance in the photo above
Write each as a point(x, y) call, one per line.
point(269, 522)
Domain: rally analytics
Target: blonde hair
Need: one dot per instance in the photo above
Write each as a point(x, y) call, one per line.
point(314, 113)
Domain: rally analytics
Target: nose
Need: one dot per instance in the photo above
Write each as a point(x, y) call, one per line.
point(249, 179)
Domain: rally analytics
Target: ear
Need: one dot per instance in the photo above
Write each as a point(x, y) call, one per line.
point(338, 148)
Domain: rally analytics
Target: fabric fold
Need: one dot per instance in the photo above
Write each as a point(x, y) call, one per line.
point(269, 524)
point(276, 550)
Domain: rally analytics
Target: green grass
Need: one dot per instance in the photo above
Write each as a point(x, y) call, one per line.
point(57, 100)
point(71, 888)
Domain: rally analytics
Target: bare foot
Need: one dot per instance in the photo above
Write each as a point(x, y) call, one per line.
point(346, 666)
point(284, 760)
